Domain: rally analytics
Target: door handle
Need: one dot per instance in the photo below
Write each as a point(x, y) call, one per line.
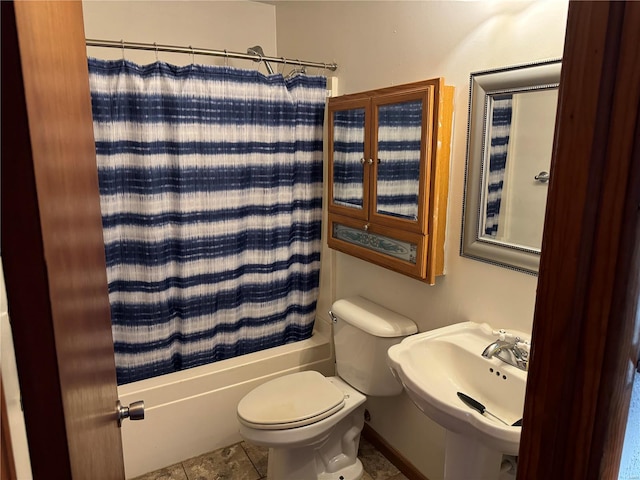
point(134, 411)
point(542, 177)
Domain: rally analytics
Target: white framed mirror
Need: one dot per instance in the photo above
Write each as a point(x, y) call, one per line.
point(510, 133)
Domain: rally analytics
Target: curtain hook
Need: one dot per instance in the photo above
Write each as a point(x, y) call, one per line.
point(122, 44)
point(156, 45)
point(284, 64)
point(226, 58)
point(303, 69)
point(193, 56)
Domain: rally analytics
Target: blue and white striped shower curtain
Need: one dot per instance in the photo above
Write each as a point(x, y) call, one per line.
point(500, 132)
point(211, 184)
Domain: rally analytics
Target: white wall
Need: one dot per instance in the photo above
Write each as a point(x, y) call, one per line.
point(378, 44)
point(11, 391)
point(217, 25)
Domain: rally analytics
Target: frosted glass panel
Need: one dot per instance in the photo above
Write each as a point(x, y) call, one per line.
point(389, 246)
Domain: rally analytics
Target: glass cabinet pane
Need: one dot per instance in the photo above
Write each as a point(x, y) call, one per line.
point(398, 159)
point(392, 247)
point(348, 154)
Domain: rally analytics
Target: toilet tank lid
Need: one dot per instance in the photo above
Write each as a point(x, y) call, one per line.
point(373, 318)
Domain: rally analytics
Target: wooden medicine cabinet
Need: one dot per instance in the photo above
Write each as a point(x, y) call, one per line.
point(389, 176)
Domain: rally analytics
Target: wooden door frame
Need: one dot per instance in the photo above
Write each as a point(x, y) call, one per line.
point(585, 330)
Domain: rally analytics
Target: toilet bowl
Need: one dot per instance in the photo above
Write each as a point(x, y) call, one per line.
point(312, 423)
point(295, 450)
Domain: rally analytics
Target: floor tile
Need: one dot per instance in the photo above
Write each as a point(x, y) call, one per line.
point(245, 461)
point(259, 456)
point(174, 472)
point(399, 476)
point(230, 463)
point(375, 464)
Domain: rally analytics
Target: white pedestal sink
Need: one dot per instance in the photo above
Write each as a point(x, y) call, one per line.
point(434, 366)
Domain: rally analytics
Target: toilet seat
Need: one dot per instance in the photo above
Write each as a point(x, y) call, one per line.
point(290, 401)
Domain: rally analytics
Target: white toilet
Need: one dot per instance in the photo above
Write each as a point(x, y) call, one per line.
point(312, 423)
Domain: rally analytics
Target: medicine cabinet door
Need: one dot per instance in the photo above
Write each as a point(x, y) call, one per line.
point(350, 158)
point(401, 151)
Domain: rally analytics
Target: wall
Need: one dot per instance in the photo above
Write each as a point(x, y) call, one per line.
point(630, 460)
point(378, 44)
point(217, 25)
point(11, 386)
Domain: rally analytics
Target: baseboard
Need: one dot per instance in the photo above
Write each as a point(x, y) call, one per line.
point(395, 457)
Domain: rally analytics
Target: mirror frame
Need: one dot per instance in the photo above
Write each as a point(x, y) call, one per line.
point(514, 79)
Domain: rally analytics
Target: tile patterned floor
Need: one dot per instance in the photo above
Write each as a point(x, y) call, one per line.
point(248, 462)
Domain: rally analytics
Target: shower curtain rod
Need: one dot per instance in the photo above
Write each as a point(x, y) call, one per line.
point(205, 51)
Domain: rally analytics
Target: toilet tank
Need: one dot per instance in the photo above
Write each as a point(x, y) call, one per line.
point(363, 331)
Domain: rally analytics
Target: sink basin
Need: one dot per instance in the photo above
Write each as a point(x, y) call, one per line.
point(433, 366)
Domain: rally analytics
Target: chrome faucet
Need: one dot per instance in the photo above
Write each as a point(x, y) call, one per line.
point(510, 349)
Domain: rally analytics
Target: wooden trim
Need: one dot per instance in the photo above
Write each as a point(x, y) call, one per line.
point(440, 184)
point(395, 457)
point(403, 88)
point(617, 375)
point(585, 338)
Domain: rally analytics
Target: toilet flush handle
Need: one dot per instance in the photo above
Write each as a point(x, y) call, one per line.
point(333, 317)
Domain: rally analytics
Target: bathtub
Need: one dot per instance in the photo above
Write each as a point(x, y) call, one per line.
point(192, 412)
